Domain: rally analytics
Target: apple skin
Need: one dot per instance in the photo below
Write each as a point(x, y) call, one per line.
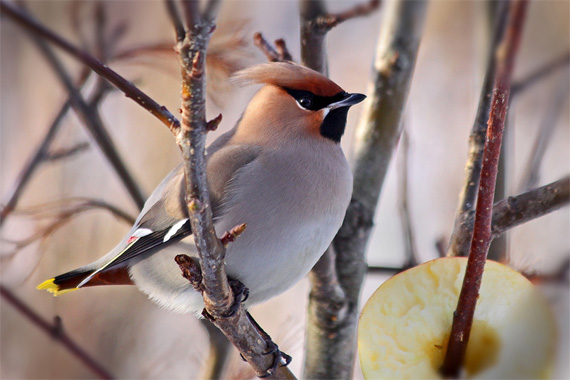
point(404, 327)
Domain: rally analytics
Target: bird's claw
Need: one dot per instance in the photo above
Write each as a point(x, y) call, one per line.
point(277, 362)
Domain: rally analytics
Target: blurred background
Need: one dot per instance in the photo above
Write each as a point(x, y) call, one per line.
point(130, 335)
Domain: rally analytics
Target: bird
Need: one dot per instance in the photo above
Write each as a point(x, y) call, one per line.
point(280, 170)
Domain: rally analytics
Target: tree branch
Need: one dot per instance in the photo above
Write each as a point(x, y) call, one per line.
point(330, 351)
point(463, 315)
point(468, 195)
point(57, 332)
point(558, 100)
point(328, 21)
point(513, 211)
point(121, 83)
point(539, 74)
point(219, 299)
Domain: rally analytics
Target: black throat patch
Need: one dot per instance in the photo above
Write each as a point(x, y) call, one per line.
point(335, 122)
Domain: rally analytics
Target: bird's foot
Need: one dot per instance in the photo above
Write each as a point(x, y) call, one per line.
point(241, 293)
point(280, 358)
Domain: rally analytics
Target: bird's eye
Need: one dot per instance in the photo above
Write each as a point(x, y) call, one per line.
point(305, 102)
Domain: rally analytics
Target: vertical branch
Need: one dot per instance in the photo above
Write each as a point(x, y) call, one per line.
point(222, 306)
point(330, 351)
point(463, 316)
point(468, 195)
point(313, 39)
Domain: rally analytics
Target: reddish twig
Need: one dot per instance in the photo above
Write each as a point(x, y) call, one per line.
point(265, 47)
point(230, 236)
point(463, 316)
point(56, 331)
point(130, 90)
point(279, 53)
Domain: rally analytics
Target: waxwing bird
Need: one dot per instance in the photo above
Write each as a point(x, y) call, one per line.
point(280, 170)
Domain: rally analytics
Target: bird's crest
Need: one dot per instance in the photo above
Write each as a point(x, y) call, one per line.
point(288, 75)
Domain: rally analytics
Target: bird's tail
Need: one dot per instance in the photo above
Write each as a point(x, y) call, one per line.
point(64, 283)
point(70, 281)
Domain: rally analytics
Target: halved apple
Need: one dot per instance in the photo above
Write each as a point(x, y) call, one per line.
point(404, 327)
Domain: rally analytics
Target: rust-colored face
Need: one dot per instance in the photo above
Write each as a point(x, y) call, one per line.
point(296, 101)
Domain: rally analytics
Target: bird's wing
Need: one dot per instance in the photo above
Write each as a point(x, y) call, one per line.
point(164, 218)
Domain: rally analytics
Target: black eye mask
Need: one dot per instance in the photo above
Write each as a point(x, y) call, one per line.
point(312, 102)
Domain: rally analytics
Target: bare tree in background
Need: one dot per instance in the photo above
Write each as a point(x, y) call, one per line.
point(337, 279)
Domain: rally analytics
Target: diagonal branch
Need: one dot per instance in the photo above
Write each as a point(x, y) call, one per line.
point(522, 84)
point(92, 120)
point(56, 332)
point(463, 315)
point(130, 90)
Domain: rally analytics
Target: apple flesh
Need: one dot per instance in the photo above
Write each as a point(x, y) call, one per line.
point(404, 327)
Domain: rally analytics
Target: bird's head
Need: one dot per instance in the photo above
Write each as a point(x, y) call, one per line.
point(295, 101)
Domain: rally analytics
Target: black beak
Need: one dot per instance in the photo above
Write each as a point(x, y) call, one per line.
point(347, 101)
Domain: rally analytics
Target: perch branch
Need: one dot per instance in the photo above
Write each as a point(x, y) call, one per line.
point(56, 331)
point(121, 83)
point(221, 304)
point(468, 195)
point(330, 352)
point(463, 315)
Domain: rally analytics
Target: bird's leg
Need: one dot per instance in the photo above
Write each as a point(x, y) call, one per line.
point(272, 349)
point(241, 293)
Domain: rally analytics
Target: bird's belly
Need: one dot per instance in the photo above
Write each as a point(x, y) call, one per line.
point(273, 263)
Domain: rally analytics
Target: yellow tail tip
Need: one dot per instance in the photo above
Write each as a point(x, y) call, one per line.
point(53, 288)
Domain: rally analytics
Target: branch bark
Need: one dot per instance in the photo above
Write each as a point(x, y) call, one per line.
point(331, 348)
point(463, 315)
point(513, 211)
point(222, 306)
point(468, 195)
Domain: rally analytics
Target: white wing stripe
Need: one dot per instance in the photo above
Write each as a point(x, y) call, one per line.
point(173, 230)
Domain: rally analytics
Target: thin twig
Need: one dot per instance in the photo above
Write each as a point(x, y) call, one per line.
point(131, 91)
point(559, 99)
point(326, 22)
point(56, 332)
point(59, 154)
point(463, 315)
point(93, 122)
point(265, 47)
point(278, 54)
point(522, 84)
point(468, 195)
point(409, 240)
